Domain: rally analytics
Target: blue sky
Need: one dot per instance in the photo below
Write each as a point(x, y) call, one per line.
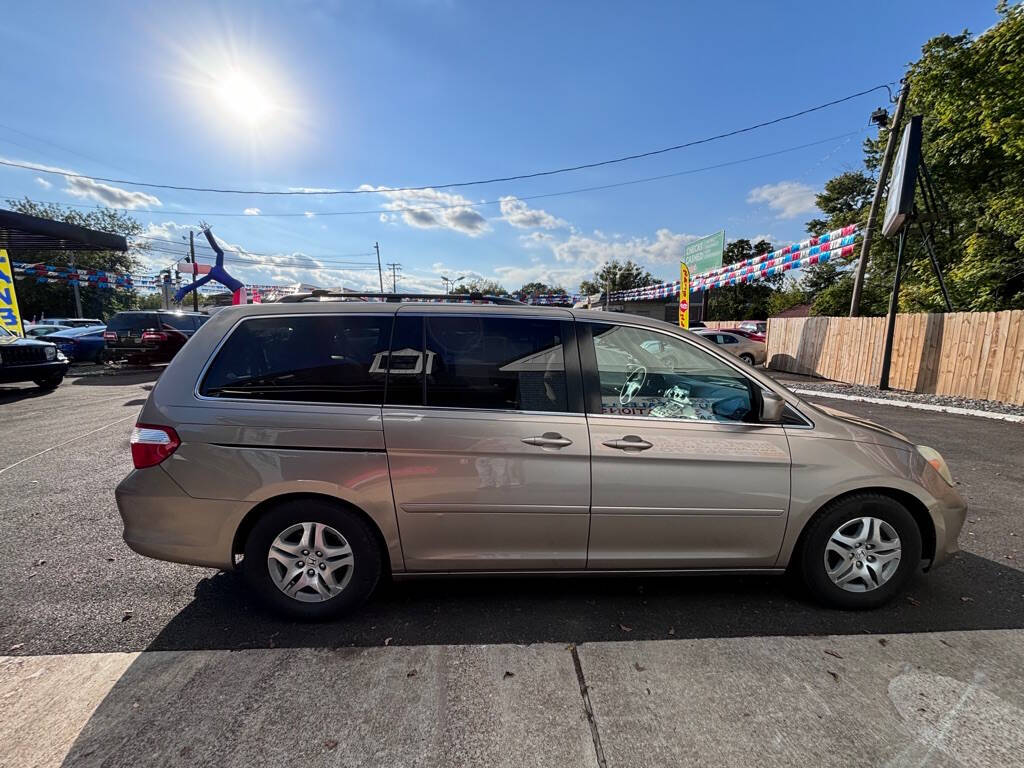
point(341, 95)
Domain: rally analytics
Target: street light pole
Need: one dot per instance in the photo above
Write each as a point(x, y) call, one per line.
point(380, 273)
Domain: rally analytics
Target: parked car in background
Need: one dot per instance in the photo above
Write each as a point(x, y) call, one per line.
point(749, 351)
point(748, 334)
point(322, 447)
point(30, 360)
point(34, 330)
point(755, 326)
point(72, 322)
point(80, 345)
point(150, 337)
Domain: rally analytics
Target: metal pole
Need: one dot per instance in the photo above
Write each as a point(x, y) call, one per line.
point(380, 274)
point(74, 289)
point(876, 201)
point(894, 303)
point(195, 269)
point(927, 237)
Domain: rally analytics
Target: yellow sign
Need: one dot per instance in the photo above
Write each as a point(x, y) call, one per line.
point(684, 295)
point(10, 317)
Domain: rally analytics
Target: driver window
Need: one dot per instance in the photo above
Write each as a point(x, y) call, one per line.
point(647, 373)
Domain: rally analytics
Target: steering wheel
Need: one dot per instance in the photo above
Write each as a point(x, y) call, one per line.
point(635, 380)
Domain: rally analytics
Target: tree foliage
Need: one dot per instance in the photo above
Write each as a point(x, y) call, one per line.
point(486, 287)
point(968, 90)
point(55, 299)
point(538, 288)
point(616, 276)
point(750, 301)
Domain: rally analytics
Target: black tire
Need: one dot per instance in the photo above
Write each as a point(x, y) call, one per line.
point(747, 358)
point(828, 520)
point(366, 558)
point(50, 382)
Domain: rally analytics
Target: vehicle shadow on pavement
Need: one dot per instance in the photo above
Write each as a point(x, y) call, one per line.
point(118, 378)
point(968, 593)
point(14, 393)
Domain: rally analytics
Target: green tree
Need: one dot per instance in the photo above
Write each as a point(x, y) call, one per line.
point(537, 288)
point(749, 301)
point(486, 287)
point(968, 90)
point(56, 298)
point(616, 276)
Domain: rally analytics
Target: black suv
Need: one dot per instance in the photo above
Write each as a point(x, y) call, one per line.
point(150, 337)
point(30, 360)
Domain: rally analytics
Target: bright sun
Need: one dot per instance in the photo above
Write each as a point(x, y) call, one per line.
point(244, 98)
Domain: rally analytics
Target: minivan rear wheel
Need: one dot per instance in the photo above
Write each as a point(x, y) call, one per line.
point(310, 559)
point(860, 551)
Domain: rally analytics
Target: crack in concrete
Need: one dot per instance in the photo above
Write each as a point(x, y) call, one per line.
point(602, 763)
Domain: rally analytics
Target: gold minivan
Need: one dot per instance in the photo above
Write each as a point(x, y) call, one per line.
point(322, 445)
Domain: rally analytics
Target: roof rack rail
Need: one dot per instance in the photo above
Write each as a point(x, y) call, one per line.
point(397, 298)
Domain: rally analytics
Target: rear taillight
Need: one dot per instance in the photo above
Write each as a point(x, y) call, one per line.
point(110, 336)
point(154, 336)
point(152, 444)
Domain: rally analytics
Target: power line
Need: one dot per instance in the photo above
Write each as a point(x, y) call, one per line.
point(457, 184)
point(562, 193)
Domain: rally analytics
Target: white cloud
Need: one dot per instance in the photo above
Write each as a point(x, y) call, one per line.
point(87, 189)
point(519, 214)
point(308, 214)
point(252, 211)
point(787, 198)
point(43, 182)
point(312, 190)
point(430, 208)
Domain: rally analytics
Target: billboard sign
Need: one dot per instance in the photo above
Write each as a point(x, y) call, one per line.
point(904, 177)
point(704, 254)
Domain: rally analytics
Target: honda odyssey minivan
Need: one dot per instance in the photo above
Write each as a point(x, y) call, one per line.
point(320, 446)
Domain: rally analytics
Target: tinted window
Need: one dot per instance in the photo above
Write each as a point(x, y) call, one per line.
point(726, 338)
point(500, 363)
point(178, 322)
point(315, 358)
point(679, 381)
point(133, 321)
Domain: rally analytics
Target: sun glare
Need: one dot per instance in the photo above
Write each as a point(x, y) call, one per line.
point(245, 98)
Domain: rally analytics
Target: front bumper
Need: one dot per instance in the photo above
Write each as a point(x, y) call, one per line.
point(13, 373)
point(948, 512)
point(164, 522)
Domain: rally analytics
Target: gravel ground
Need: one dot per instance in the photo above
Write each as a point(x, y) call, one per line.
point(825, 385)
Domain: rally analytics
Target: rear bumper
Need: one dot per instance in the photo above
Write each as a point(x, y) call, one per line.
point(13, 373)
point(163, 522)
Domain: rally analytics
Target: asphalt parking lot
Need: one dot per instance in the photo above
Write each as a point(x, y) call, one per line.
point(78, 608)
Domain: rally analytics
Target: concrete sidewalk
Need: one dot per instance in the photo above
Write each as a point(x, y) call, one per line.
point(937, 699)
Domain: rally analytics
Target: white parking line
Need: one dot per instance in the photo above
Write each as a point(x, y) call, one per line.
point(66, 442)
point(909, 404)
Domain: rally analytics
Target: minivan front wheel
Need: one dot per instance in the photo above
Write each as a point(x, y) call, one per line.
point(860, 551)
point(312, 560)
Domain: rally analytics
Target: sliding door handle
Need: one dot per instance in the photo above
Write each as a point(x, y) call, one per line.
point(629, 443)
point(548, 440)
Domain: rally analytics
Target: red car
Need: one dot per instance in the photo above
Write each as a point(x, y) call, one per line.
point(753, 336)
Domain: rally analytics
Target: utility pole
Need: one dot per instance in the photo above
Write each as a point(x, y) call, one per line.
point(195, 269)
point(380, 274)
point(74, 288)
point(876, 201)
point(395, 267)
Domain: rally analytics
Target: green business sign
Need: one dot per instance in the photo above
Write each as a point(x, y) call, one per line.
point(704, 254)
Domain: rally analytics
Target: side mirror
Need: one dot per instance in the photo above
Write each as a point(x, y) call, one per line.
point(771, 407)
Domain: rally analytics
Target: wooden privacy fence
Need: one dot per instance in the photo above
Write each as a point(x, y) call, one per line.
point(964, 354)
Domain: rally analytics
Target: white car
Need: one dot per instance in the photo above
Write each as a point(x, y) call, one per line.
point(749, 351)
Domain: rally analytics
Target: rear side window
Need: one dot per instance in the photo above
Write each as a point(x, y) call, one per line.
point(494, 363)
point(178, 322)
point(312, 358)
point(133, 321)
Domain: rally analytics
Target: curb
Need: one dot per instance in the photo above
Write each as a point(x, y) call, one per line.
point(1013, 418)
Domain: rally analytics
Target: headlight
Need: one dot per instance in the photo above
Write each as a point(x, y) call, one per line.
point(51, 352)
point(61, 357)
point(934, 458)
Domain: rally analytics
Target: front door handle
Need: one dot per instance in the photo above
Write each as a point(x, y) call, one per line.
point(629, 443)
point(548, 440)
